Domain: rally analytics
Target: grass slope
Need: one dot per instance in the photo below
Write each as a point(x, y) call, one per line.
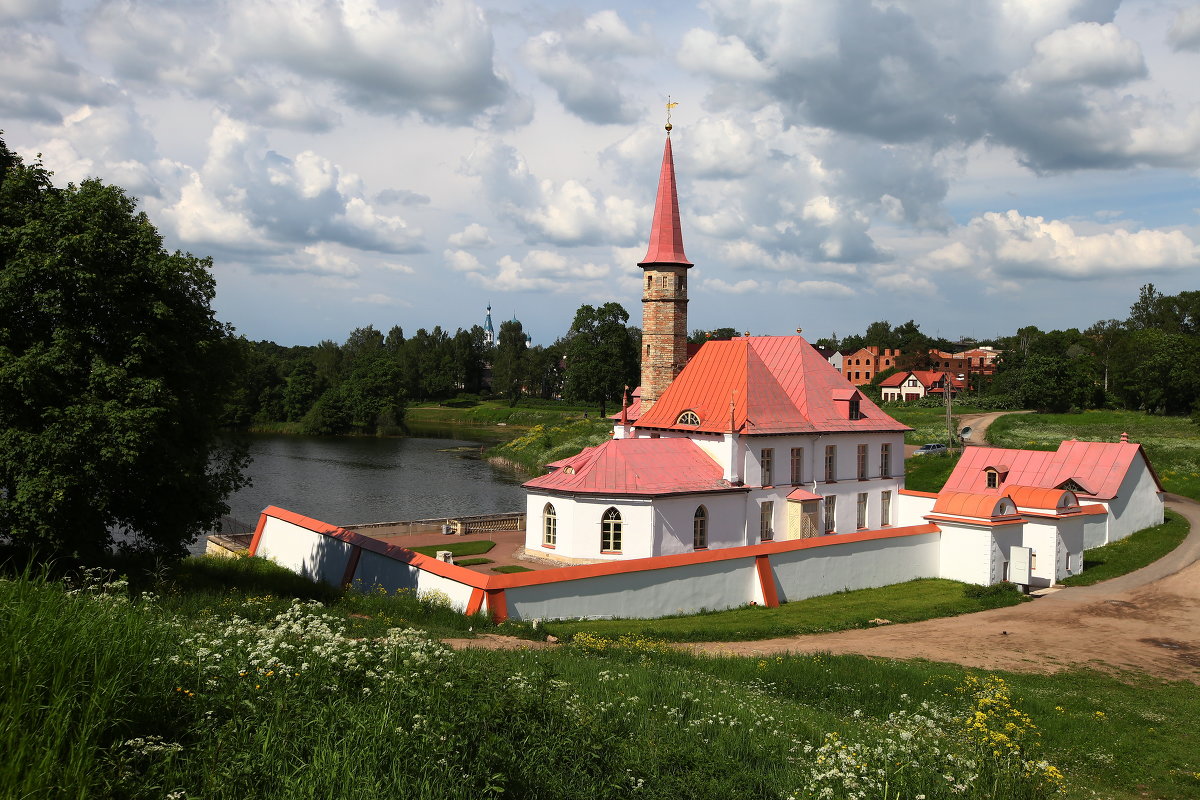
point(219, 688)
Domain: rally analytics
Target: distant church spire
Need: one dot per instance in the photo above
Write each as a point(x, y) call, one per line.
point(664, 290)
point(489, 333)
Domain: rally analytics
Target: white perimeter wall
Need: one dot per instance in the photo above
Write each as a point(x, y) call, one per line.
point(855, 565)
point(311, 554)
point(645, 594)
point(376, 570)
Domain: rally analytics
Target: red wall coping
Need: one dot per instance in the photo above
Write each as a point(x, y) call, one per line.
point(997, 522)
point(915, 493)
point(577, 572)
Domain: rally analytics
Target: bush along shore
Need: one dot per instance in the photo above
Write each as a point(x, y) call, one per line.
point(543, 444)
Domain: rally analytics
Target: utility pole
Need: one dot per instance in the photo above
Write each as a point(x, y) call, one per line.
point(949, 406)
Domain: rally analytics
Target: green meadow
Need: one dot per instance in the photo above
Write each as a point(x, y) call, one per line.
point(212, 682)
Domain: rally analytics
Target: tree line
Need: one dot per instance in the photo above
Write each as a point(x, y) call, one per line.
point(1149, 361)
point(364, 384)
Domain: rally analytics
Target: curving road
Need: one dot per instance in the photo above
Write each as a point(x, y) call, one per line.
point(1147, 621)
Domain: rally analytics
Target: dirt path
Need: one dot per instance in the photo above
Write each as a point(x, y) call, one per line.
point(1147, 621)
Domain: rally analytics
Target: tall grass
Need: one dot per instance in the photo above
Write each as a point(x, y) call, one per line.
point(111, 694)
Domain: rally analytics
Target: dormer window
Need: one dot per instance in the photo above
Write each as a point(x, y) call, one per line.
point(688, 418)
point(855, 410)
point(995, 476)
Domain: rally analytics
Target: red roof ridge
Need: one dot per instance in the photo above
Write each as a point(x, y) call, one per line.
point(666, 235)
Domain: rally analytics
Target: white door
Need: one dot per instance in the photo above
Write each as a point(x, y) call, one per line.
point(1020, 559)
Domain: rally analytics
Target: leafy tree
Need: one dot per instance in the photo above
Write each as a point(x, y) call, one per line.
point(716, 335)
point(509, 369)
point(114, 373)
point(601, 355)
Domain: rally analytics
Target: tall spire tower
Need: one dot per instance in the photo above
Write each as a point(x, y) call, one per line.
point(664, 289)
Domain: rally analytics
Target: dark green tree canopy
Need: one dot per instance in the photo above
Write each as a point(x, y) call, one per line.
point(601, 355)
point(114, 374)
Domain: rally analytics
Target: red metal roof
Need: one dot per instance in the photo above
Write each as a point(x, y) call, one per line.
point(666, 235)
point(1097, 467)
point(777, 384)
point(638, 467)
point(969, 504)
point(635, 408)
point(803, 494)
point(1052, 500)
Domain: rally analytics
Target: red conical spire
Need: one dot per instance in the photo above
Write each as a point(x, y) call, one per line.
point(666, 237)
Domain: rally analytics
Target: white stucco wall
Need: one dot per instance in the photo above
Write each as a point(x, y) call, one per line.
point(854, 565)
point(579, 521)
point(376, 570)
point(644, 594)
point(913, 509)
point(1138, 503)
point(313, 555)
point(1095, 529)
point(965, 553)
point(1050, 565)
point(674, 517)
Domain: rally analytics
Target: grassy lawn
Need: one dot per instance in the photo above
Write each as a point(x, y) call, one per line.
point(1172, 443)
point(473, 547)
point(1131, 553)
point(928, 424)
point(928, 473)
point(217, 686)
point(491, 420)
point(511, 568)
point(472, 562)
point(902, 602)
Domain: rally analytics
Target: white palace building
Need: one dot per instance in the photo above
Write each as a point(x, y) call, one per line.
point(754, 473)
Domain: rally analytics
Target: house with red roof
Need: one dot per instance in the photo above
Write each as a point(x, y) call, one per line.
point(915, 384)
point(1115, 476)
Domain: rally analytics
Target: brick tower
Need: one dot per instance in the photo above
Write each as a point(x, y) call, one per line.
point(664, 290)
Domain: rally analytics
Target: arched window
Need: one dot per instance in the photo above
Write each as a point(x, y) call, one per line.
point(549, 526)
point(700, 529)
point(688, 418)
point(610, 531)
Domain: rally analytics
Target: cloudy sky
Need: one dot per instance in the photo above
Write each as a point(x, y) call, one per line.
point(973, 166)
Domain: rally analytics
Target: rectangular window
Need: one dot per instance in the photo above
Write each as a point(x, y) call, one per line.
point(860, 521)
point(765, 464)
point(856, 408)
point(862, 462)
point(885, 508)
point(797, 466)
point(993, 480)
point(885, 460)
point(830, 463)
point(766, 521)
point(830, 504)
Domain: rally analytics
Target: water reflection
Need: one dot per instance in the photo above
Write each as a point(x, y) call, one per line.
point(354, 480)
